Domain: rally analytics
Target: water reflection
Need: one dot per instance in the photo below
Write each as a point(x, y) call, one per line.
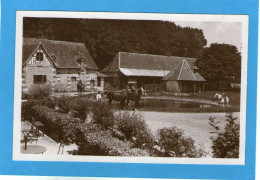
point(169, 105)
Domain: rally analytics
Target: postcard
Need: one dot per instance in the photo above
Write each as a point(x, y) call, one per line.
point(130, 87)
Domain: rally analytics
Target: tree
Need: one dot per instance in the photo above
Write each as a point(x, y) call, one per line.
point(220, 62)
point(105, 38)
point(225, 144)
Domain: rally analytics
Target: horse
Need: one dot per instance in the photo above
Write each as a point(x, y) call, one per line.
point(135, 95)
point(80, 87)
point(222, 100)
point(117, 96)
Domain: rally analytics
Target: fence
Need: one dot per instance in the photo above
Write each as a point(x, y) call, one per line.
point(154, 88)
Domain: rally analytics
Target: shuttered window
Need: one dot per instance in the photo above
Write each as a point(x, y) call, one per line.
point(39, 79)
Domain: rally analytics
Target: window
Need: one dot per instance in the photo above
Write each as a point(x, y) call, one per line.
point(73, 79)
point(39, 79)
point(99, 81)
point(39, 56)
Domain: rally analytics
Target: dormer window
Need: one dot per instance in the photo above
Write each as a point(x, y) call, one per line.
point(81, 61)
point(195, 69)
point(53, 57)
point(39, 56)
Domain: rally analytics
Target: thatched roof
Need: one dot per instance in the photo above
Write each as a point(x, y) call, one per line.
point(183, 72)
point(66, 53)
point(146, 61)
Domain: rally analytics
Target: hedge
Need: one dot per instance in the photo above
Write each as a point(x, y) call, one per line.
point(64, 124)
point(94, 140)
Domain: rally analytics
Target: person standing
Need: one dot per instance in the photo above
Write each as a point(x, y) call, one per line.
point(99, 97)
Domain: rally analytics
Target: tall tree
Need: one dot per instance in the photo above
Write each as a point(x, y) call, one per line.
point(220, 62)
point(105, 38)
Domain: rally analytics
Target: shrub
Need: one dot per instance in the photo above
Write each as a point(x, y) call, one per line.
point(81, 107)
point(174, 144)
point(135, 129)
point(50, 102)
point(40, 91)
point(93, 140)
point(64, 125)
point(102, 114)
point(226, 143)
point(63, 103)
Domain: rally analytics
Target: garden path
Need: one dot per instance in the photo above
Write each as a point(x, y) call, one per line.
point(195, 125)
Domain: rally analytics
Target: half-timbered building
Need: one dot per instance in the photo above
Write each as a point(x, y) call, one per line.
point(58, 64)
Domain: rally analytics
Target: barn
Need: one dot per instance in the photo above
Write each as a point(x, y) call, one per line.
point(149, 69)
point(58, 65)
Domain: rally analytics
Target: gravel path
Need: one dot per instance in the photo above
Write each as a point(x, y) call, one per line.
point(195, 125)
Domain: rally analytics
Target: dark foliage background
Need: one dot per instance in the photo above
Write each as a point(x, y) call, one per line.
point(105, 38)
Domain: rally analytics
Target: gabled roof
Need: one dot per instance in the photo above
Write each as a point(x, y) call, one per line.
point(183, 72)
point(66, 53)
point(146, 61)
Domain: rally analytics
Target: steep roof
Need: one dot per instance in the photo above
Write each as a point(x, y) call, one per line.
point(146, 61)
point(183, 72)
point(66, 53)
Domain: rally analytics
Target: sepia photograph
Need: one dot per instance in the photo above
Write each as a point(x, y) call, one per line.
point(130, 87)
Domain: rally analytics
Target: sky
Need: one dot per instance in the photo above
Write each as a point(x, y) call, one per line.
point(218, 32)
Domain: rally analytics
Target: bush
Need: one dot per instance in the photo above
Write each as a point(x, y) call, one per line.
point(40, 91)
point(64, 125)
point(173, 143)
point(63, 103)
point(102, 114)
point(135, 129)
point(226, 143)
point(93, 140)
point(81, 107)
point(50, 102)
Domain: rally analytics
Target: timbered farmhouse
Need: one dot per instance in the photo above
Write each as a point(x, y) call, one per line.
point(177, 74)
point(59, 65)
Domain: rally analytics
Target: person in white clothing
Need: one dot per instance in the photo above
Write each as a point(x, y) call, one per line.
point(98, 97)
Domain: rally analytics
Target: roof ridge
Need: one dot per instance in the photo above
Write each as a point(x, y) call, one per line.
point(180, 70)
point(190, 69)
point(156, 55)
point(43, 39)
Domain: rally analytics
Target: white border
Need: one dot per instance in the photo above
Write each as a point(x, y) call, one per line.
point(127, 16)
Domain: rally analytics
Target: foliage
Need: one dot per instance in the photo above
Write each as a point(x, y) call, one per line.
point(63, 123)
point(93, 140)
point(102, 114)
point(226, 143)
point(63, 103)
point(50, 102)
point(81, 107)
point(173, 143)
point(220, 61)
point(135, 129)
point(40, 91)
point(105, 38)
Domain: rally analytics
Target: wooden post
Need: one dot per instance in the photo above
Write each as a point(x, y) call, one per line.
point(25, 142)
point(194, 87)
point(203, 87)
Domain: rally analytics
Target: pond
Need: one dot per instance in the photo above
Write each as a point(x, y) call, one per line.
point(171, 105)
